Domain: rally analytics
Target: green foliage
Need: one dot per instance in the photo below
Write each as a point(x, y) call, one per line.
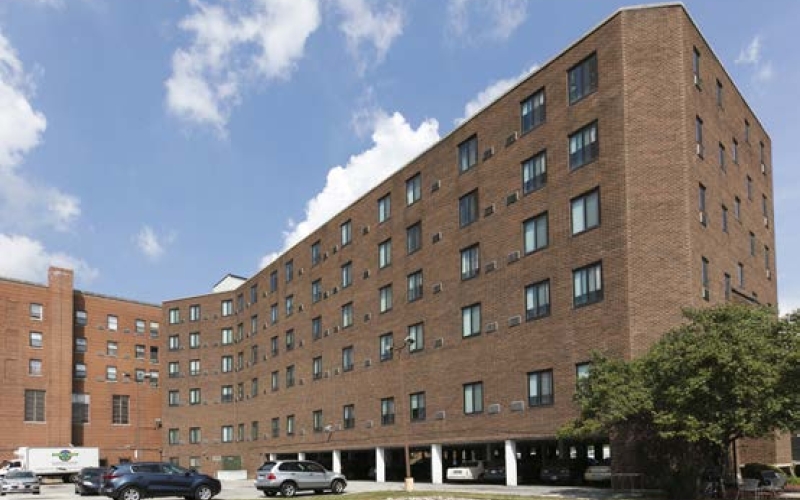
point(729, 372)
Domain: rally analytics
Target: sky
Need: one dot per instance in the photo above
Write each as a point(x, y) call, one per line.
point(154, 146)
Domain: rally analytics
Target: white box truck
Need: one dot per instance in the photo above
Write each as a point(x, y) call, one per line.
point(62, 462)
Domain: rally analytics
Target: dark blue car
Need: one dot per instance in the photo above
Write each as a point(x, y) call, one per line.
point(137, 480)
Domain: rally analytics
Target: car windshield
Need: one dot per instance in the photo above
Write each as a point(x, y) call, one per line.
point(267, 466)
point(19, 474)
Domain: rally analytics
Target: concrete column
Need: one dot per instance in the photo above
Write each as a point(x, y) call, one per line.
point(273, 457)
point(301, 456)
point(436, 464)
point(380, 465)
point(511, 462)
point(337, 461)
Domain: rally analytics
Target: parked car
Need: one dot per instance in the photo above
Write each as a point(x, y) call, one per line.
point(137, 480)
point(496, 473)
point(560, 472)
point(472, 470)
point(287, 477)
point(19, 481)
point(773, 480)
point(89, 481)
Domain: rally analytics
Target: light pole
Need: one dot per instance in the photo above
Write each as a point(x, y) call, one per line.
point(406, 345)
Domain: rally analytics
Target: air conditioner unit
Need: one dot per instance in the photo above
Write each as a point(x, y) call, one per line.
point(494, 409)
point(488, 153)
point(367, 363)
point(491, 266)
point(488, 210)
point(513, 256)
point(438, 343)
point(511, 139)
point(437, 237)
point(365, 230)
point(514, 320)
point(367, 317)
point(491, 327)
point(435, 186)
point(437, 287)
point(439, 415)
point(512, 198)
point(517, 405)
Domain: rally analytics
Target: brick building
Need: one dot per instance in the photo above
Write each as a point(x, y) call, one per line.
point(624, 179)
point(70, 363)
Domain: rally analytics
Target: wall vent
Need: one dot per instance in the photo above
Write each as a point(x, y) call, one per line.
point(494, 409)
point(517, 405)
point(512, 198)
point(435, 186)
point(514, 320)
point(511, 139)
point(513, 256)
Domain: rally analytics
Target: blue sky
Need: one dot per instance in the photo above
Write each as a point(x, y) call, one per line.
point(156, 145)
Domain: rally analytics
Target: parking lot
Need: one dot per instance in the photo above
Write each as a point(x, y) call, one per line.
point(244, 490)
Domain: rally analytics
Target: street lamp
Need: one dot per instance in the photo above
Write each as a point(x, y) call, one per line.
point(406, 345)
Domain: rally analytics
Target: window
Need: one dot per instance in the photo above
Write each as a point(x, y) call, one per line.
point(153, 330)
point(239, 302)
point(540, 388)
point(696, 66)
point(582, 79)
point(347, 359)
point(473, 398)
point(194, 313)
point(737, 208)
point(254, 354)
point(273, 281)
point(254, 430)
point(289, 340)
point(534, 173)
point(194, 367)
point(746, 131)
point(735, 152)
point(386, 346)
point(80, 370)
point(316, 253)
point(226, 394)
point(585, 210)
point(173, 398)
point(387, 411)
point(721, 155)
point(194, 340)
point(111, 348)
point(174, 316)
point(240, 361)
point(289, 305)
point(537, 300)
point(347, 315)
point(347, 274)
point(414, 237)
point(173, 369)
point(36, 312)
point(139, 351)
point(348, 416)
point(139, 326)
point(471, 320)
point(112, 323)
point(254, 324)
point(195, 435)
point(719, 93)
point(583, 146)
point(749, 188)
point(273, 314)
point(752, 244)
point(582, 371)
point(587, 285)
point(227, 307)
point(273, 343)
point(289, 271)
point(724, 219)
point(35, 367)
point(153, 354)
point(227, 363)
point(766, 260)
point(470, 262)
point(316, 328)
point(173, 436)
point(227, 336)
point(290, 376)
point(316, 290)
point(316, 420)
point(290, 425)
point(413, 189)
point(276, 427)
point(195, 396)
point(316, 368)
point(346, 232)
point(535, 233)
point(532, 111)
point(384, 253)
point(120, 409)
point(414, 291)
point(80, 344)
point(384, 208)
point(416, 334)
point(701, 203)
point(274, 381)
point(468, 208)
point(35, 339)
point(34, 405)
point(762, 155)
point(468, 154)
point(80, 408)
point(385, 296)
point(253, 293)
point(111, 373)
point(174, 342)
point(764, 206)
point(726, 283)
point(704, 277)
point(227, 434)
point(698, 135)
point(81, 318)
point(417, 406)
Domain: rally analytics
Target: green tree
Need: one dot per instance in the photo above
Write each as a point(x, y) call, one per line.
point(729, 372)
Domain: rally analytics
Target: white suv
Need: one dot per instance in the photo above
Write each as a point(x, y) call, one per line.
point(287, 477)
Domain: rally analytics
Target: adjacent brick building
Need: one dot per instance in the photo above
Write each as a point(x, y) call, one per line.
point(70, 360)
point(623, 180)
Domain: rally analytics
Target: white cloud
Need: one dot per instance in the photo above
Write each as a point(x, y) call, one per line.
point(481, 20)
point(752, 53)
point(27, 259)
point(362, 25)
point(395, 143)
point(24, 204)
point(151, 244)
point(235, 44)
point(765, 73)
point(492, 92)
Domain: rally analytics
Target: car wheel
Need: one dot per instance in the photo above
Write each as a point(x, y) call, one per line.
point(337, 486)
point(130, 493)
point(288, 489)
point(203, 492)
